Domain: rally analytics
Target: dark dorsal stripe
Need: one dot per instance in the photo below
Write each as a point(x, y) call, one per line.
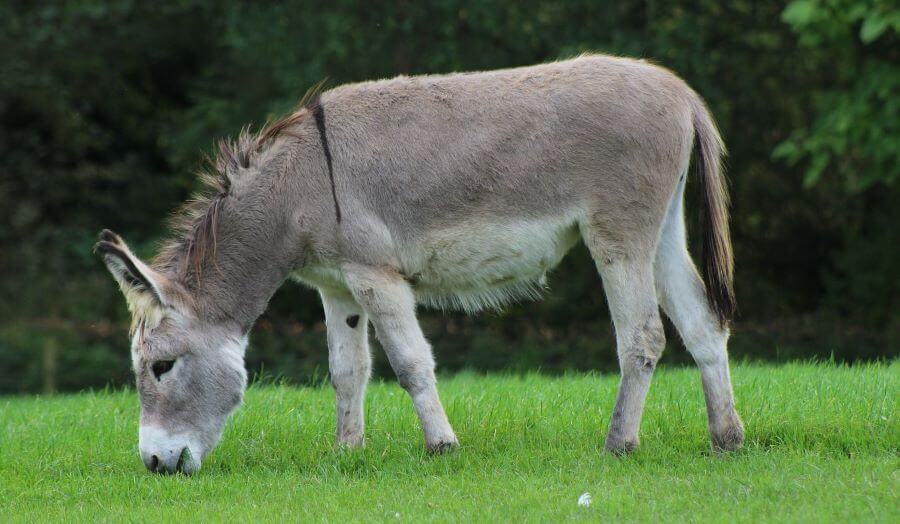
point(319, 114)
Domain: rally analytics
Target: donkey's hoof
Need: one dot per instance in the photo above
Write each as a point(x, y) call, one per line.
point(728, 438)
point(621, 446)
point(347, 442)
point(442, 446)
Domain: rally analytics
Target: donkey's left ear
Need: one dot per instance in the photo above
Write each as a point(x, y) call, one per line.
point(141, 285)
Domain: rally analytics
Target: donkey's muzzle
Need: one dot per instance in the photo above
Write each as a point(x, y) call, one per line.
point(166, 454)
point(176, 463)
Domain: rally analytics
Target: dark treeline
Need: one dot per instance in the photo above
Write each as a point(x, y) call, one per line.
point(107, 108)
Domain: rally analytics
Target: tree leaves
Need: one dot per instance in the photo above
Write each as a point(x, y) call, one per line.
point(855, 129)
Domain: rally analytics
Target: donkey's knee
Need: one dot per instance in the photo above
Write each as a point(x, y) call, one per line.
point(349, 379)
point(415, 375)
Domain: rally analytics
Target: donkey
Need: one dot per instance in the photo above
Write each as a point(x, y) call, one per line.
point(456, 191)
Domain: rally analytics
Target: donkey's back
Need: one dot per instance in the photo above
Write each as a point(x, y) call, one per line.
point(444, 146)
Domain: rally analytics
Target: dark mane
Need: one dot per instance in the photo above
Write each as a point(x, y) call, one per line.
point(194, 224)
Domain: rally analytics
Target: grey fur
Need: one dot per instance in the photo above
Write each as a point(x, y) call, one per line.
point(457, 190)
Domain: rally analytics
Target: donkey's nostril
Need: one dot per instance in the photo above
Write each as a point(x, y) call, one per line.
point(154, 464)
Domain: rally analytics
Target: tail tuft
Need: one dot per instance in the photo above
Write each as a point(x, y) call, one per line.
point(716, 252)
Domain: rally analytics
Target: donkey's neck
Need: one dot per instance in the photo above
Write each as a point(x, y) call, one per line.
point(253, 254)
point(237, 252)
point(250, 261)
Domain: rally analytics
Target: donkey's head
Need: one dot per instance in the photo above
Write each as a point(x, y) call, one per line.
point(190, 372)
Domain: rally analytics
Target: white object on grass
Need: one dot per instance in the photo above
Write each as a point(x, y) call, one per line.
point(584, 500)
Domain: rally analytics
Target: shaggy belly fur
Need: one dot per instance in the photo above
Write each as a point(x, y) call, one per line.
point(473, 267)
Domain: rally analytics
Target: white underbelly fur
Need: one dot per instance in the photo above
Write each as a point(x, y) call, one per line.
point(477, 266)
point(474, 266)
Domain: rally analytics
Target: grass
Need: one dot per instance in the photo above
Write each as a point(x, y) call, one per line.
point(822, 445)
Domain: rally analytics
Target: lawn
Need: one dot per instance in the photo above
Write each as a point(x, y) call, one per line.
point(822, 445)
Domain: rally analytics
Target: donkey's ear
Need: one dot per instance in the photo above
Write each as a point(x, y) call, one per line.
point(141, 285)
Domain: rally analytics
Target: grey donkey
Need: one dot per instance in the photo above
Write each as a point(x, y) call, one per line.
point(456, 191)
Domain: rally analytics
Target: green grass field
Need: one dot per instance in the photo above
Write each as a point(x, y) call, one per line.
point(822, 445)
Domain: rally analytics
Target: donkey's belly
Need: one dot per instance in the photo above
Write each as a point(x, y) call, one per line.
point(476, 266)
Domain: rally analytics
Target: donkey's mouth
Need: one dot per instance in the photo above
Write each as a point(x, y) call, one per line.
point(186, 462)
point(181, 458)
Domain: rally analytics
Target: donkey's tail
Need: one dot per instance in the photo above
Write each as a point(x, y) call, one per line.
point(716, 253)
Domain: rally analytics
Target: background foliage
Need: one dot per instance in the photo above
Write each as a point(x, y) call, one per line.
point(106, 107)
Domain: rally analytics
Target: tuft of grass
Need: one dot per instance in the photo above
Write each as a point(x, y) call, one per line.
point(822, 445)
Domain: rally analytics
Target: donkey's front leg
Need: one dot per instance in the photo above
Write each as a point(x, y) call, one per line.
point(389, 301)
point(349, 363)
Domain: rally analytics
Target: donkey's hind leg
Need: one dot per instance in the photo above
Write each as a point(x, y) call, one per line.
point(628, 282)
point(389, 301)
point(682, 296)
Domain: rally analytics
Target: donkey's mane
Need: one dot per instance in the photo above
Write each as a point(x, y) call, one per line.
point(194, 224)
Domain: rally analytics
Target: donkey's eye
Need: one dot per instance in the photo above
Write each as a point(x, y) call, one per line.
point(161, 367)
